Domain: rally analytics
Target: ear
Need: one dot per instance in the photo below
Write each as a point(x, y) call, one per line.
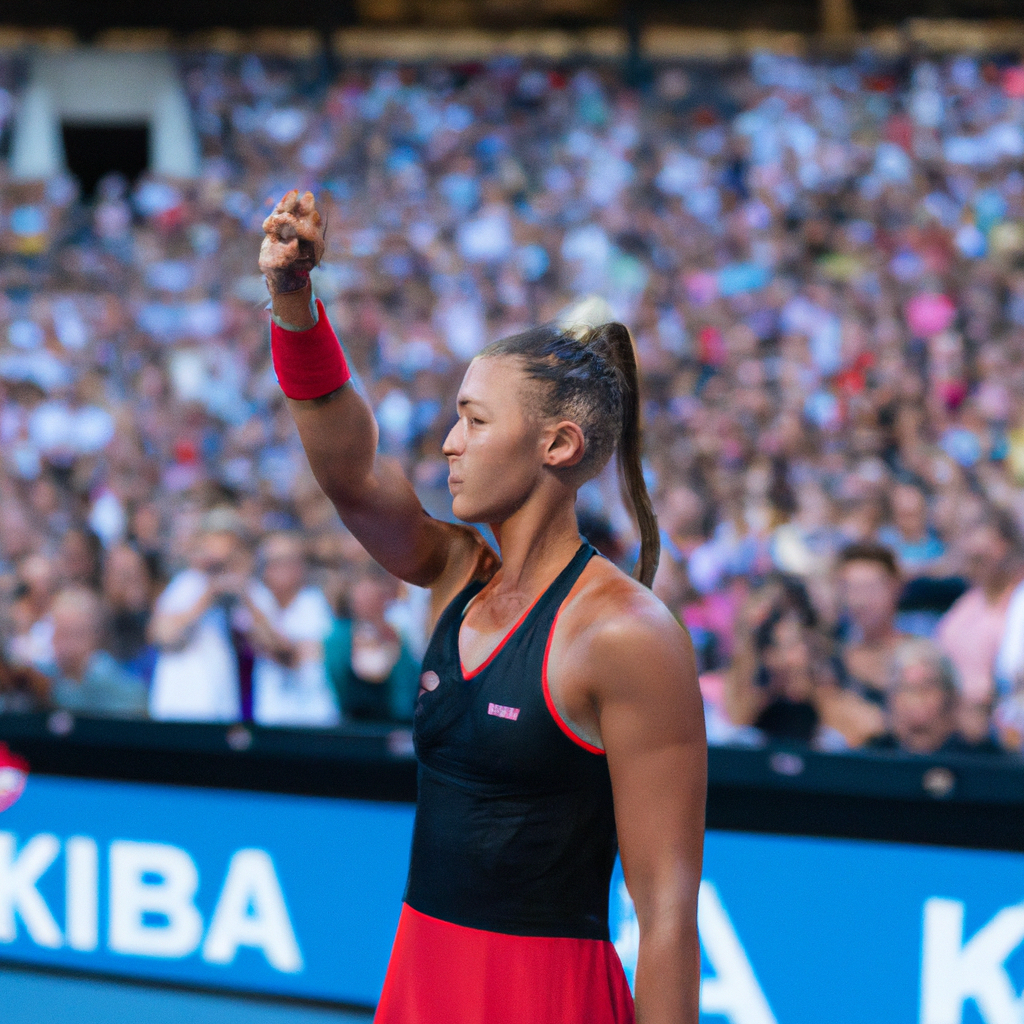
point(565, 445)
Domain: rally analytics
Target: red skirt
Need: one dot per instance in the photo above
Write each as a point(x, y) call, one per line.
point(443, 973)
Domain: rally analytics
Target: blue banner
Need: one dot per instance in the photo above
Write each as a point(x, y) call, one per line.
point(300, 896)
point(248, 891)
point(807, 931)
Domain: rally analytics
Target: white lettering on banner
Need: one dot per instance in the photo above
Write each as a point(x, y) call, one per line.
point(170, 898)
point(251, 912)
point(953, 972)
point(152, 909)
point(82, 887)
point(733, 992)
point(19, 896)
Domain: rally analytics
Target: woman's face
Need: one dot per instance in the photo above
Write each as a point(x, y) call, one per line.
point(126, 579)
point(789, 660)
point(496, 449)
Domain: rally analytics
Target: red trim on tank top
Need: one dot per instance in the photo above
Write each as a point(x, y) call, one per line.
point(559, 720)
point(497, 650)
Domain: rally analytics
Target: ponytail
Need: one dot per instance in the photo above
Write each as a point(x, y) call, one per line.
point(613, 342)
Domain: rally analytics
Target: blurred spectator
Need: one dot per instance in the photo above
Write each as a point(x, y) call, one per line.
point(597, 530)
point(923, 695)
point(781, 665)
point(971, 632)
point(791, 668)
point(289, 622)
point(22, 688)
point(819, 259)
point(128, 591)
point(870, 585)
point(682, 517)
point(86, 679)
point(32, 642)
point(918, 548)
point(369, 664)
point(202, 668)
point(806, 544)
point(79, 558)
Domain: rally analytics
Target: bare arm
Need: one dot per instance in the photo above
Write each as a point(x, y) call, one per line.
point(652, 725)
point(171, 629)
point(269, 639)
point(855, 718)
point(338, 431)
point(742, 699)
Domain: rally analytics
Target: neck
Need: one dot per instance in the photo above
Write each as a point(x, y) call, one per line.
point(878, 636)
point(284, 597)
point(75, 670)
point(536, 543)
point(996, 585)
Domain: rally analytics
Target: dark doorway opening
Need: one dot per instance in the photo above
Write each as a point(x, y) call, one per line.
point(93, 150)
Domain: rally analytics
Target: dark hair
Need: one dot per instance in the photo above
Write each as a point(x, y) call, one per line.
point(868, 552)
point(1003, 523)
point(792, 601)
point(590, 377)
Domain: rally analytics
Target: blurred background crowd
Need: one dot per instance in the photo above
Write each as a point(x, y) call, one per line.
point(821, 263)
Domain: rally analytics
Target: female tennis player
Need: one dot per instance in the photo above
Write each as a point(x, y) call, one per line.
point(559, 717)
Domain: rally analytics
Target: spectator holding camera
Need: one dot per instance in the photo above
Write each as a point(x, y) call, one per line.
point(786, 678)
point(288, 621)
point(780, 664)
point(369, 663)
point(203, 672)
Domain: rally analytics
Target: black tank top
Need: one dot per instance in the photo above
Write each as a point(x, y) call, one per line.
point(515, 830)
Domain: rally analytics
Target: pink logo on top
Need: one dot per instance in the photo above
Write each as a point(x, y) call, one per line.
point(500, 711)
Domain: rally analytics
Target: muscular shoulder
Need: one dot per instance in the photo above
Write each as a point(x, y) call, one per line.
point(616, 632)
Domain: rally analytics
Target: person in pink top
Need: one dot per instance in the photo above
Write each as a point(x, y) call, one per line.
point(970, 633)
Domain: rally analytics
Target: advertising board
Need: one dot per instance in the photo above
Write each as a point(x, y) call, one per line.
point(299, 896)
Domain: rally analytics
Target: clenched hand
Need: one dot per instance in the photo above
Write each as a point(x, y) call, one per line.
point(294, 243)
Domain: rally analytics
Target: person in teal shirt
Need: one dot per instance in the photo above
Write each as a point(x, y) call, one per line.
point(85, 679)
point(373, 672)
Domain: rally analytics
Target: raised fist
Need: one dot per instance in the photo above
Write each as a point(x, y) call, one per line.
point(294, 243)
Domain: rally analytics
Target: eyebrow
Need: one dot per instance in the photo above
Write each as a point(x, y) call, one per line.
point(463, 401)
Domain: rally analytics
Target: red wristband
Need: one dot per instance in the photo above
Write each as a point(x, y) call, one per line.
point(309, 364)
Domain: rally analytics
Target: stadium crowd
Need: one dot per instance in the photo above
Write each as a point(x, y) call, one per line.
point(822, 264)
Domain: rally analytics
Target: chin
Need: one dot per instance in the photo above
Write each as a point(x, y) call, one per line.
point(468, 512)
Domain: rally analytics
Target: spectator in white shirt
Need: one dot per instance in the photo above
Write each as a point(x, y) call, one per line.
point(196, 678)
point(32, 642)
point(289, 622)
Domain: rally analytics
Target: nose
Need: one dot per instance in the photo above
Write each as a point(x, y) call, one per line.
point(453, 443)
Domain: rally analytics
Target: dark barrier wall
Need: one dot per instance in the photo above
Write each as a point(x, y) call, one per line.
point(852, 888)
point(969, 802)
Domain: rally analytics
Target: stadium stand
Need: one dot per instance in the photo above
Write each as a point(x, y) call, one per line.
point(819, 256)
